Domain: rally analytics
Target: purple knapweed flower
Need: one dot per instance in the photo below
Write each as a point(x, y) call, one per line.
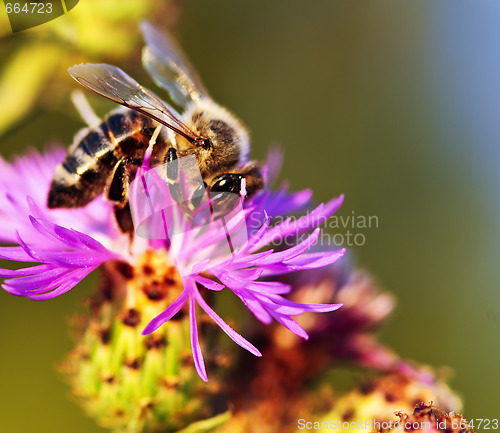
point(67, 244)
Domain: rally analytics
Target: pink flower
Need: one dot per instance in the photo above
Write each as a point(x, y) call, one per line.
point(68, 244)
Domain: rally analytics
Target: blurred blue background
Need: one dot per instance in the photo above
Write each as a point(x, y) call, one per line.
point(394, 103)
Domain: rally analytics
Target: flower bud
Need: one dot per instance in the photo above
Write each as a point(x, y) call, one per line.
point(127, 381)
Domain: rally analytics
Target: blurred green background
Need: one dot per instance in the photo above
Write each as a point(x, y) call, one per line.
point(394, 103)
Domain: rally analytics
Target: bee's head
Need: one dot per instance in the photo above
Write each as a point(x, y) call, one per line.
point(226, 139)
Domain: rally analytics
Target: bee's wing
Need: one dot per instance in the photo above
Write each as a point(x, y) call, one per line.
point(165, 62)
point(112, 83)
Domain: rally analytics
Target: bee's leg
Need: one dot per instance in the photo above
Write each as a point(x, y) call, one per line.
point(197, 196)
point(175, 188)
point(173, 177)
point(84, 109)
point(123, 217)
point(172, 173)
point(123, 175)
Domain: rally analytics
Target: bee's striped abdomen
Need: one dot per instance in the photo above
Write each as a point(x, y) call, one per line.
point(85, 172)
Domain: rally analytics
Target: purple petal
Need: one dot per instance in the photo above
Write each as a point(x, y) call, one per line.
point(170, 312)
point(304, 262)
point(237, 338)
point(254, 306)
point(199, 267)
point(290, 324)
point(234, 281)
point(299, 226)
point(36, 280)
point(247, 274)
point(316, 260)
point(209, 284)
point(50, 288)
point(257, 236)
point(284, 306)
point(282, 203)
point(12, 291)
point(31, 253)
point(73, 279)
point(218, 233)
point(293, 252)
point(270, 287)
point(249, 260)
point(8, 273)
point(333, 205)
point(195, 342)
point(17, 254)
point(73, 259)
point(66, 257)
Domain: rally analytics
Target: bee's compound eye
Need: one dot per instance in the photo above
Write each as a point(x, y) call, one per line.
point(230, 182)
point(226, 191)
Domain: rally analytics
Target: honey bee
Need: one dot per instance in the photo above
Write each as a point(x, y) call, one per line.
point(105, 159)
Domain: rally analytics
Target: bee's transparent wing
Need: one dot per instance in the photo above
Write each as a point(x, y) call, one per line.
point(165, 62)
point(112, 83)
